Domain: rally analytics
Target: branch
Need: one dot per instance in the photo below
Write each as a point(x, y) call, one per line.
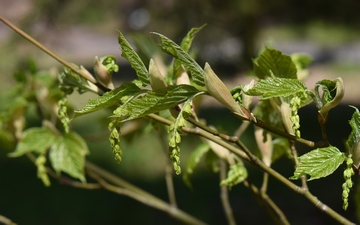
point(247, 155)
point(224, 195)
point(273, 210)
point(6, 221)
point(105, 178)
point(52, 54)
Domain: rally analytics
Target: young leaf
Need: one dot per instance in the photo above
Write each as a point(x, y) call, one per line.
point(185, 45)
point(136, 63)
point(194, 160)
point(67, 154)
point(212, 161)
point(319, 163)
point(186, 60)
point(188, 39)
point(277, 87)
point(34, 140)
point(301, 62)
point(272, 61)
point(333, 93)
point(236, 174)
point(281, 148)
point(155, 101)
point(109, 98)
point(353, 141)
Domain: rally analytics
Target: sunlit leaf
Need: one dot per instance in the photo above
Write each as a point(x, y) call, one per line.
point(194, 160)
point(34, 140)
point(276, 87)
point(109, 98)
point(67, 155)
point(185, 45)
point(136, 63)
point(274, 62)
point(354, 138)
point(155, 101)
point(319, 163)
point(186, 60)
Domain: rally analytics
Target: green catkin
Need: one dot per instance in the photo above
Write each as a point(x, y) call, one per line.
point(175, 136)
point(114, 138)
point(347, 185)
point(294, 117)
point(64, 118)
point(41, 170)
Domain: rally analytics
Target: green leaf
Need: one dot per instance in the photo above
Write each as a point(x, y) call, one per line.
point(136, 63)
point(333, 92)
point(268, 114)
point(281, 148)
point(155, 101)
point(34, 140)
point(186, 60)
point(319, 163)
point(188, 39)
point(212, 161)
point(194, 160)
point(354, 138)
point(70, 80)
point(67, 155)
point(110, 98)
point(236, 174)
point(301, 60)
point(272, 61)
point(277, 87)
point(329, 89)
point(185, 45)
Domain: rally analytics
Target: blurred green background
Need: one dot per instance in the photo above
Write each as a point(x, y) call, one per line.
point(235, 32)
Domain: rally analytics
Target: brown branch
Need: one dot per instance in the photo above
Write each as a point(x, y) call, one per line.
point(224, 195)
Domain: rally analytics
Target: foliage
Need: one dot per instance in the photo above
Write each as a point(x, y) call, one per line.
point(275, 117)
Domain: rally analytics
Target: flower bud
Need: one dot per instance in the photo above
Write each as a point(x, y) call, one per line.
point(220, 92)
point(102, 74)
point(157, 81)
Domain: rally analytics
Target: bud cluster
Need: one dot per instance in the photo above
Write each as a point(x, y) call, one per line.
point(114, 138)
point(295, 103)
point(64, 118)
point(41, 170)
point(347, 185)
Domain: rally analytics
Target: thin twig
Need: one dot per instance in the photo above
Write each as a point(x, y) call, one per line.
point(224, 195)
point(273, 210)
point(6, 221)
point(116, 182)
point(296, 160)
point(52, 54)
point(247, 155)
